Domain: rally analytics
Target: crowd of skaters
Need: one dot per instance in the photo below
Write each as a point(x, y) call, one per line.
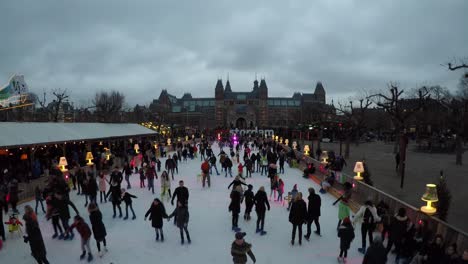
point(268, 159)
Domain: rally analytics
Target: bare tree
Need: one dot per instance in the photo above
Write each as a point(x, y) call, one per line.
point(354, 121)
point(53, 108)
point(400, 111)
point(109, 106)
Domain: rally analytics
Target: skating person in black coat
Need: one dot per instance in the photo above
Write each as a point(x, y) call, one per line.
point(98, 227)
point(376, 253)
point(182, 214)
point(61, 203)
point(261, 204)
point(249, 201)
point(116, 176)
point(170, 166)
point(181, 193)
point(297, 217)
point(91, 189)
point(346, 235)
point(313, 212)
point(127, 198)
point(156, 214)
point(115, 192)
point(234, 207)
point(236, 182)
point(34, 236)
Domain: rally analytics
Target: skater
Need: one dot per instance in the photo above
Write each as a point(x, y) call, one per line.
point(92, 189)
point(205, 168)
point(156, 213)
point(61, 203)
point(280, 190)
point(293, 194)
point(127, 198)
point(240, 169)
point(127, 170)
point(80, 177)
point(398, 228)
point(282, 157)
point(115, 197)
point(181, 193)
point(150, 175)
point(116, 176)
point(248, 167)
point(170, 166)
point(141, 171)
point(13, 194)
point(376, 253)
point(38, 194)
point(240, 249)
point(343, 210)
point(165, 186)
point(313, 212)
point(234, 207)
point(213, 164)
point(274, 186)
point(34, 236)
point(228, 165)
point(368, 214)
point(261, 204)
point(236, 182)
point(182, 215)
point(99, 229)
point(85, 233)
point(102, 186)
point(346, 235)
point(297, 217)
point(53, 212)
point(249, 201)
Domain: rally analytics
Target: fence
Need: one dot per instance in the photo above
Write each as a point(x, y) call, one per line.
point(363, 192)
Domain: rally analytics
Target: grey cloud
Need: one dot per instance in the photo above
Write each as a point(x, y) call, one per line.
point(141, 47)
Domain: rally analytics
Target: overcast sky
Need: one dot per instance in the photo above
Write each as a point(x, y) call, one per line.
point(141, 47)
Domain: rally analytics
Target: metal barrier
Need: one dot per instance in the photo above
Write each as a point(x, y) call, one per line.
point(363, 192)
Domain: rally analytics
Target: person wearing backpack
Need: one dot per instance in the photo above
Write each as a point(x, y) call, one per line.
point(368, 214)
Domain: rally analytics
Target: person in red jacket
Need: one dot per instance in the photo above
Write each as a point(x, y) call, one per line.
point(240, 169)
point(85, 233)
point(205, 168)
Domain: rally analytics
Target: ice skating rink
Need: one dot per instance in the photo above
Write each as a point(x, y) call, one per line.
point(133, 241)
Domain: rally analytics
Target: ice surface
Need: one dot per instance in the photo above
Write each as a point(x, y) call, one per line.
point(133, 241)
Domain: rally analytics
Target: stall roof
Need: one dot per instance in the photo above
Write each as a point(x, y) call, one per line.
point(15, 134)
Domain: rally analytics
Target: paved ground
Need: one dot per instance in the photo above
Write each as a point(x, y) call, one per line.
point(421, 168)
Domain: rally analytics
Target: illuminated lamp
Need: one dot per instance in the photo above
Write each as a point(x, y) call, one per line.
point(359, 168)
point(306, 150)
point(324, 157)
point(430, 196)
point(62, 163)
point(168, 141)
point(108, 154)
point(294, 145)
point(286, 142)
point(24, 156)
point(136, 147)
point(178, 139)
point(193, 136)
point(281, 140)
point(186, 138)
point(100, 143)
point(89, 158)
point(156, 146)
point(276, 138)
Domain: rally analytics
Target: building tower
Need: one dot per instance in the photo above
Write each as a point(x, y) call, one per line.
point(320, 93)
point(262, 103)
point(219, 103)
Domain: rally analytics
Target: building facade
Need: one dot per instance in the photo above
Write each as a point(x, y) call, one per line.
point(243, 110)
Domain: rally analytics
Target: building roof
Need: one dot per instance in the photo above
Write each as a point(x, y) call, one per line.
point(16, 134)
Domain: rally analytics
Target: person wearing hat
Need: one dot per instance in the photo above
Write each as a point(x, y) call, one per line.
point(346, 235)
point(156, 213)
point(240, 249)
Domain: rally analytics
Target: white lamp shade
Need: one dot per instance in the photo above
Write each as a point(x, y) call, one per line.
point(359, 167)
point(89, 156)
point(63, 161)
point(306, 148)
point(136, 147)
